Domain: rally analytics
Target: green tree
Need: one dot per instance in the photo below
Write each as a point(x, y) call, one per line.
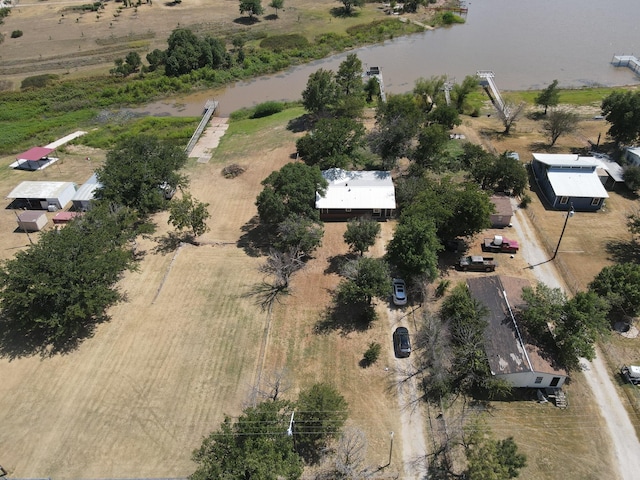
point(54, 292)
point(549, 97)
point(351, 95)
point(184, 52)
point(300, 233)
point(189, 214)
point(444, 115)
point(349, 4)
point(500, 173)
point(290, 190)
point(429, 92)
point(253, 446)
point(491, 459)
point(432, 140)
point(320, 94)
point(414, 247)
point(136, 171)
point(462, 91)
point(397, 123)
point(252, 7)
point(156, 58)
point(622, 110)
point(633, 224)
point(277, 5)
point(619, 284)
point(631, 176)
point(321, 412)
point(559, 122)
point(361, 234)
point(332, 143)
point(366, 278)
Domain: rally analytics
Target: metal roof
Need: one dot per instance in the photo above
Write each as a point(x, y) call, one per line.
point(35, 153)
point(574, 183)
point(565, 160)
point(87, 190)
point(31, 189)
point(357, 190)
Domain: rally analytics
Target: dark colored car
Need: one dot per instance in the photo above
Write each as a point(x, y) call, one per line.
point(401, 342)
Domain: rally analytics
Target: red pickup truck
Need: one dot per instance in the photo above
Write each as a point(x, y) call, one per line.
point(499, 244)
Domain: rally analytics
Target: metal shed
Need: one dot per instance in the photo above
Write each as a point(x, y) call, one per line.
point(50, 196)
point(32, 220)
point(85, 194)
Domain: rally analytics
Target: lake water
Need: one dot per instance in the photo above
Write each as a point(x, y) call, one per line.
point(527, 44)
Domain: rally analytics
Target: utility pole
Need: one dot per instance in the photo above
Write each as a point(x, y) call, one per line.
point(569, 214)
point(390, 450)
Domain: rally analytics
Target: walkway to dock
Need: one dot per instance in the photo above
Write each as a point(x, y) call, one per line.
point(487, 81)
point(210, 139)
point(209, 109)
point(627, 61)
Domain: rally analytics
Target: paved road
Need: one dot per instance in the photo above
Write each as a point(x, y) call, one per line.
point(624, 441)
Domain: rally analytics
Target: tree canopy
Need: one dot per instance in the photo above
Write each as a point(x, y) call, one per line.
point(549, 97)
point(252, 7)
point(138, 171)
point(253, 446)
point(558, 123)
point(366, 278)
point(187, 52)
point(501, 173)
point(321, 93)
point(60, 287)
point(622, 110)
point(290, 191)
point(189, 214)
point(414, 247)
point(619, 284)
point(332, 143)
point(361, 234)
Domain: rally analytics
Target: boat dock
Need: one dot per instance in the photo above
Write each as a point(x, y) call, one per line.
point(489, 84)
point(627, 61)
point(209, 109)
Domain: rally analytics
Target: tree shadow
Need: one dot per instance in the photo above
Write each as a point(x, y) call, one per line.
point(536, 115)
point(336, 262)
point(623, 252)
point(625, 192)
point(255, 238)
point(341, 12)
point(248, 21)
point(300, 124)
point(271, 16)
point(168, 243)
point(18, 340)
point(345, 319)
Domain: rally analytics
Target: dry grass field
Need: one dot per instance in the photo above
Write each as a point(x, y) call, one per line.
point(188, 345)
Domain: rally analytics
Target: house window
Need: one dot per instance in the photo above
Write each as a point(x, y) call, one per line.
point(538, 379)
point(595, 202)
point(555, 381)
point(564, 200)
point(376, 212)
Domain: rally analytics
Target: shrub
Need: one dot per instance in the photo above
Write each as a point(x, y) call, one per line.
point(441, 289)
point(278, 43)
point(38, 81)
point(372, 354)
point(267, 108)
point(232, 171)
point(525, 200)
point(16, 34)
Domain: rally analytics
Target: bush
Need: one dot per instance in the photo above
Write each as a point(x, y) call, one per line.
point(525, 200)
point(267, 108)
point(441, 289)
point(372, 354)
point(16, 34)
point(277, 43)
point(38, 81)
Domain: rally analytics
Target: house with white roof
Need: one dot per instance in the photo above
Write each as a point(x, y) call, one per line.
point(569, 181)
point(351, 194)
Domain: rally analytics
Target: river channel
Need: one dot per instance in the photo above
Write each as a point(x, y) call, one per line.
point(526, 43)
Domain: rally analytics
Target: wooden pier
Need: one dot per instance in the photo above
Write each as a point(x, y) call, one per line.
point(627, 61)
point(488, 82)
point(209, 108)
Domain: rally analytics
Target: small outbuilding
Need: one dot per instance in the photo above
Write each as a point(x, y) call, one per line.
point(85, 194)
point(503, 211)
point(511, 357)
point(50, 196)
point(36, 158)
point(32, 220)
point(633, 156)
point(569, 181)
point(352, 194)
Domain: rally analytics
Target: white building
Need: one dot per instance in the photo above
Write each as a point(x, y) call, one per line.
point(50, 196)
point(85, 194)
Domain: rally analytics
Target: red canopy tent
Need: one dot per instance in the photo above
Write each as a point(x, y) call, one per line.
point(33, 159)
point(35, 153)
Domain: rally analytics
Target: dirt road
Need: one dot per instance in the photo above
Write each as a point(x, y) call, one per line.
point(624, 441)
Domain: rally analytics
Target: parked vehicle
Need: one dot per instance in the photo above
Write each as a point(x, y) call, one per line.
point(399, 292)
point(499, 244)
point(401, 342)
point(476, 263)
point(631, 374)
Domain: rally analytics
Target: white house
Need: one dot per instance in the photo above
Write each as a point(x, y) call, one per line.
point(44, 195)
point(355, 194)
point(511, 357)
point(85, 194)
